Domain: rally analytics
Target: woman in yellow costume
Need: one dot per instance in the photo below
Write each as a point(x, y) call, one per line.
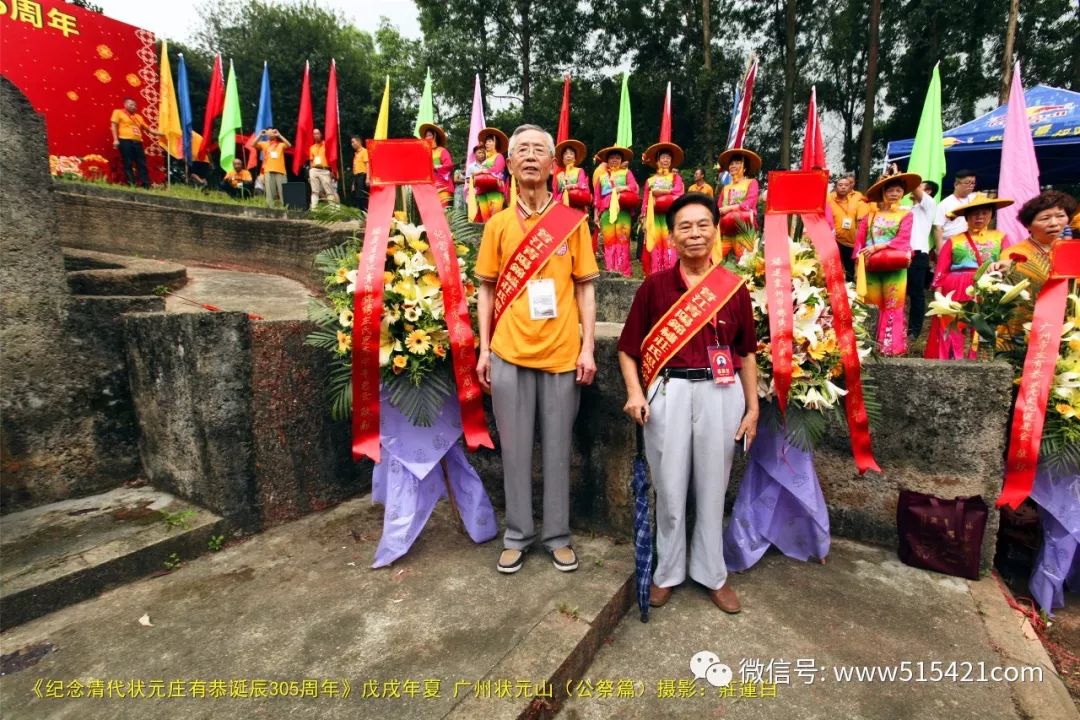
point(616, 197)
point(490, 183)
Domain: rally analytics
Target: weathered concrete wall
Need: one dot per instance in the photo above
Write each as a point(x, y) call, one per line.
point(67, 422)
point(233, 416)
point(128, 223)
point(191, 383)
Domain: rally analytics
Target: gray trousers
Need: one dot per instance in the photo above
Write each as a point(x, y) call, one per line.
point(272, 184)
point(690, 437)
point(518, 394)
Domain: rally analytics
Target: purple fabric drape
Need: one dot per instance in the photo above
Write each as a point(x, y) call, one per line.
point(1058, 562)
point(779, 503)
point(409, 481)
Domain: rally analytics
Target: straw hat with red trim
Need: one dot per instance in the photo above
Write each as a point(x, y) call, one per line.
point(440, 134)
point(627, 153)
point(576, 145)
point(650, 156)
point(751, 160)
point(501, 141)
point(982, 202)
point(910, 181)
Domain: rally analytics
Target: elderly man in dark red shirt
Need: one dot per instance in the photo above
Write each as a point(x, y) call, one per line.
point(687, 358)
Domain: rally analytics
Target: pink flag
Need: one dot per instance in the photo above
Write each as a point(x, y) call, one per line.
point(476, 124)
point(1019, 174)
point(813, 152)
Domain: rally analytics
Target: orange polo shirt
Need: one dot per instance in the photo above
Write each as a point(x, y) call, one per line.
point(317, 155)
point(853, 209)
point(235, 178)
point(128, 125)
point(359, 162)
point(273, 156)
point(547, 345)
point(704, 188)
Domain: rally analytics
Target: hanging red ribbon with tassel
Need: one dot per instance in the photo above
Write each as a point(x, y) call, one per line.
point(1044, 345)
point(803, 193)
point(394, 163)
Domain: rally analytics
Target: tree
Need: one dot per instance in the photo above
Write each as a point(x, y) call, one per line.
point(866, 146)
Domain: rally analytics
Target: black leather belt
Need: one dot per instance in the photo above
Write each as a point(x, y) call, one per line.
point(688, 373)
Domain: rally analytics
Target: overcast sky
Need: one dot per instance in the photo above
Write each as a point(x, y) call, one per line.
point(180, 20)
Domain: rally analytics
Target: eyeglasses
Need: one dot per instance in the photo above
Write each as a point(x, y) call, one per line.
point(523, 151)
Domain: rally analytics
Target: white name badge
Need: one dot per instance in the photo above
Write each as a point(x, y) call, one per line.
point(542, 305)
point(846, 224)
point(274, 154)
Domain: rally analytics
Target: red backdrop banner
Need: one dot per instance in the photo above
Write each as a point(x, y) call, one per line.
point(76, 67)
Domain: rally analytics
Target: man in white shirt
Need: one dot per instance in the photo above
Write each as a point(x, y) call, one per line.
point(924, 210)
point(963, 193)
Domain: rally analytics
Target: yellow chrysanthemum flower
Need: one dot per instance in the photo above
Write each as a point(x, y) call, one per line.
point(344, 342)
point(341, 275)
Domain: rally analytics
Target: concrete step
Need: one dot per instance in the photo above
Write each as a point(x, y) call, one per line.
point(299, 603)
point(63, 553)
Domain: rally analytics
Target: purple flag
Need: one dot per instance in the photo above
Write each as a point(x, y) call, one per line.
point(1019, 178)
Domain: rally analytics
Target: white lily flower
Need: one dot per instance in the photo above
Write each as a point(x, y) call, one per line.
point(351, 277)
point(944, 305)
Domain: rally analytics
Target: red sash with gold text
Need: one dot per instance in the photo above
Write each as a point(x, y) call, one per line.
point(535, 249)
point(685, 319)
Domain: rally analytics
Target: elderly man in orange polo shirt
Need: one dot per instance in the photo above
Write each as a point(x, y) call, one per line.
point(127, 128)
point(537, 314)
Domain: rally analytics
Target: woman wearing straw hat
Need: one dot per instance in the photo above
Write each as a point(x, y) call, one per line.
point(738, 203)
point(616, 197)
point(883, 253)
point(660, 191)
point(489, 182)
point(570, 184)
point(435, 137)
point(958, 259)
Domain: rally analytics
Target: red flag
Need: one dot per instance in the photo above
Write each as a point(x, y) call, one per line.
point(740, 115)
point(304, 124)
point(665, 118)
point(330, 126)
point(813, 152)
point(215, 105)
point(564, 114)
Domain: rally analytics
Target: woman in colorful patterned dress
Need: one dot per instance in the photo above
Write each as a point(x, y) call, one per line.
point(738, 203)
point(616, 197)
point(958, 260)
point(490, 182)
point(887, 230)
point(660, 191)
point(1045, 216)
point(435, 137)
point(569, 183)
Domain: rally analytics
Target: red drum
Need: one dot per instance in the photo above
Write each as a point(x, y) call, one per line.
point(486, 183)
point(662, 203)
point(629, 200)
point(888, 260)
point(735, 222)
point(579, 198)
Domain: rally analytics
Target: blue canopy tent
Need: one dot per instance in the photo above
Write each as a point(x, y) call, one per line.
point(1054, 115)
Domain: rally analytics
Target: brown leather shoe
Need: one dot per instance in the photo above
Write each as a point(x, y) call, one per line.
point(725, 599)
point(658, 596)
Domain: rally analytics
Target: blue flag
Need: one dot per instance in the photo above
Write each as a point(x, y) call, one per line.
point(265, 117)
point(185, 106)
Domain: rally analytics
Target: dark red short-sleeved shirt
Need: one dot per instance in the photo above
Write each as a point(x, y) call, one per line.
point(735, 326)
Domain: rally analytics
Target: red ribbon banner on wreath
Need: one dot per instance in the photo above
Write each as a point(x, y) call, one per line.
point(1044, 344)
point(803, 193)
point(392, 164)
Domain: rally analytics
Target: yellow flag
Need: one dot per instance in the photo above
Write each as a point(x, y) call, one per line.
point(382, 125)
point(168, 110)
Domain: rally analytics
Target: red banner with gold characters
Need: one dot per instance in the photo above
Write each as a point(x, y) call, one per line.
point(1044, 346)
point(394, 163)
point(75, 67)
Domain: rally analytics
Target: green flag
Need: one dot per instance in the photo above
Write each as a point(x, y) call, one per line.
point(427, 110)
point(230, 122)
point(625, 135)
point(928, 152)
